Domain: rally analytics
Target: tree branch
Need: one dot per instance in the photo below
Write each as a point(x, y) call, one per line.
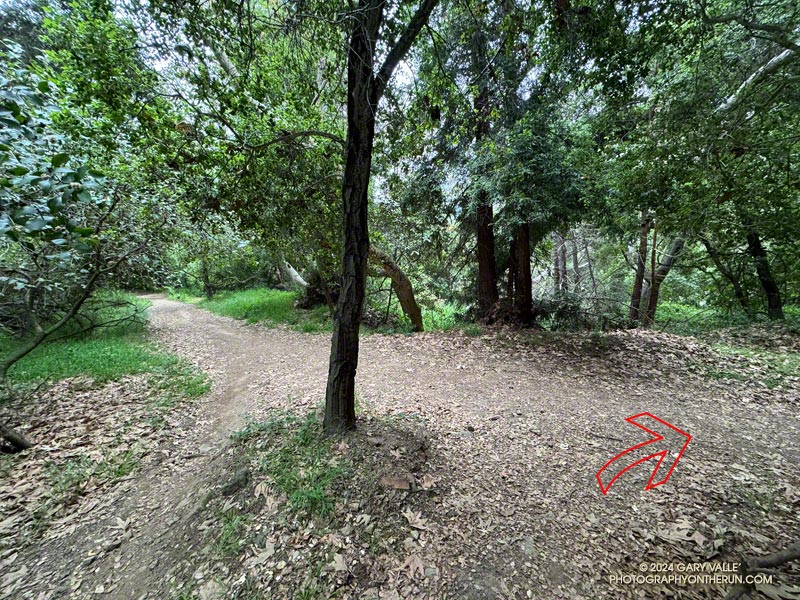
point(293, 135)
point(768, 68)
point(402, 46)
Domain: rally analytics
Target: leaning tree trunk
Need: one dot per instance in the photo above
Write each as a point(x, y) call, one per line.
point(523, 294)
point(659, 275)
point(768, 283)
point(295, 279)
point(401, 285)
point(641, 261)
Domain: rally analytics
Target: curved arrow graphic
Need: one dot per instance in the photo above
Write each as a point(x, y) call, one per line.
point(627, 459)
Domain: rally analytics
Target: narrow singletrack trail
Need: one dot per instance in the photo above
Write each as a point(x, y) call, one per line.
point(518, 436)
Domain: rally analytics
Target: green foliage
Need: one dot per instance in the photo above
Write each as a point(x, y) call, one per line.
point(443, 316)
point(297, 457)
point(686, 319)
point(231, 535)
point(108, 353)
point(269, 306)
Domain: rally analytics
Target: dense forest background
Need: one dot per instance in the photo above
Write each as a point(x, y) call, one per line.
point(586, 165)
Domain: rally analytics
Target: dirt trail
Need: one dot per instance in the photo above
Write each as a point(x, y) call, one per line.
point(517, 435)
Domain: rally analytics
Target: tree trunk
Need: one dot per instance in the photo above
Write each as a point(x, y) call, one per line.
point(364, 90)
point(512, 271)
point(523, 295)
point(18, 441)
point(589, 266)
point(727, 273)
point(208, 288)
point(340, 393)
point(768, 283)
point(659, 275)
point(576, 270)
point(401, 285)
point(487, 266)
point(563, 281)
point(638, 280)
point(295, 278)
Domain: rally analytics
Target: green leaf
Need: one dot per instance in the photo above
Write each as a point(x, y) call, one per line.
point(43, 86)
point(20, 170)
point(59, 159)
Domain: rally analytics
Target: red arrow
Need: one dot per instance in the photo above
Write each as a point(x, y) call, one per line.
point(627, 459)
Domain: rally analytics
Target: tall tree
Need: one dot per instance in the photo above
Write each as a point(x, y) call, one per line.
point(365, 88)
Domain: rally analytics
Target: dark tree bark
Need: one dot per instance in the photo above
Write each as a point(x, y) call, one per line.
point(727, 273)
point(487, 265)
point(208, 288)
point(641, 261)
point(768, 283)
point(364, 91)
point(401, 286)
point(659, 275)
point(523, 295)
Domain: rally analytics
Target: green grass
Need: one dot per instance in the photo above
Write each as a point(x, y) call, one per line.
point(443, 317)
point(273, 307)
point(109, 353)
point(276, 307)
point(231, 535)
point(102, 359)
point(297, 457)
point(67, 479)
point(685, 319)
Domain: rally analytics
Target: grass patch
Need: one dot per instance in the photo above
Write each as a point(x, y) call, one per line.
point(231, 535)
point(109, 353)
point(276, 307)
point(102, 359)
point(273, 307)
point(773, 369)
point(297, 457)
point(472, 329)
point(685, 319)
point(444, 317)
point(68, 480)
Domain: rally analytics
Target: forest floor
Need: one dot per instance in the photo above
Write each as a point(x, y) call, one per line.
point(471, 475)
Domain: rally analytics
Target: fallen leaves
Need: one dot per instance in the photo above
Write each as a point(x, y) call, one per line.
point(413, 566)
point(416, 520)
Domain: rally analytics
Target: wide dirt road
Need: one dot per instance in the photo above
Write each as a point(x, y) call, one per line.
point(516, 432)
